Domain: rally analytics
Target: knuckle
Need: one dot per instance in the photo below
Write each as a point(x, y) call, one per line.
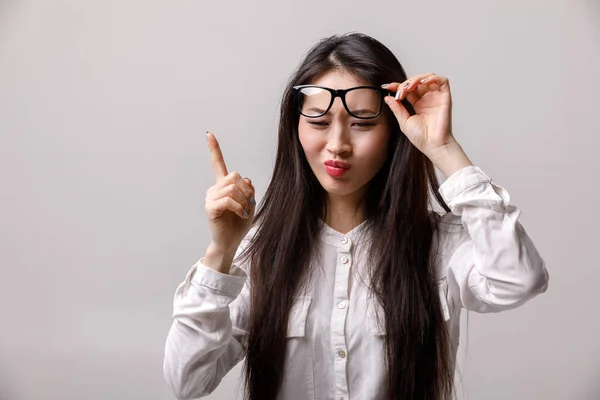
point(230, 178)
point(210, 211)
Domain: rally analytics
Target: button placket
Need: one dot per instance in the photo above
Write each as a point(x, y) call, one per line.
point(339, 314)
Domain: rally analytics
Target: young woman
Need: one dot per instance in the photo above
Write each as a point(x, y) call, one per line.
point(347, 284)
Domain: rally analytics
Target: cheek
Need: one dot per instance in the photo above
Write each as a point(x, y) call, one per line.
point(311, 144)
point(374, 149)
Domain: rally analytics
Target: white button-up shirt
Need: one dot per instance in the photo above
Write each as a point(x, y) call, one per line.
point(485, 263)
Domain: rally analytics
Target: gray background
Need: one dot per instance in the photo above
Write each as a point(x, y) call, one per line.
point(104, 167)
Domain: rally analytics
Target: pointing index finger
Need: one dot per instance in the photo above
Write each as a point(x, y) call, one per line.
point(216, 157)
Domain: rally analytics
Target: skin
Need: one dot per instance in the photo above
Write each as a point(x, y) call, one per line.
point(339, 136)
point(430, 129)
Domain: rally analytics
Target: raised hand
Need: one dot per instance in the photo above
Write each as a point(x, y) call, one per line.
point(430, 128)
point(229, 203)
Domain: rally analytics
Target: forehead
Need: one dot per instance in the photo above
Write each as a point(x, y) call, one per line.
point(338, 79)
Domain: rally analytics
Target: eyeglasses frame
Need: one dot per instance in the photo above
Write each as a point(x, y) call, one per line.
point(341, 93)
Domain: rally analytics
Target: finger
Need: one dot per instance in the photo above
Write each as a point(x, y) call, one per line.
point(252, 198)
point(422, 89)
point(216, 157)
point(414, 89)
point(438, 80)
point(216, 208)
point(408, 88)
point(235, 178)
point(432, 83)
point(412, 97)
point(400, 112)
point(402, 87)
point(232, 190)
point(394, 86)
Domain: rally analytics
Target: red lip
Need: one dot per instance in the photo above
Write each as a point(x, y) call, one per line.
point(337, 164)
point(336, 168)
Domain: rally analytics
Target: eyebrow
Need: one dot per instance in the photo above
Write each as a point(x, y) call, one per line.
point(363, 111)
point(317, 109)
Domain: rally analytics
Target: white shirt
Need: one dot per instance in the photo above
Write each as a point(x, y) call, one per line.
point(486, 263)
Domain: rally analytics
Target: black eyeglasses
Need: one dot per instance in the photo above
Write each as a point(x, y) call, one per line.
point(363, 102)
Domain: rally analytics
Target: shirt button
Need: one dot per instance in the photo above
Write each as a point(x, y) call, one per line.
point(342, 304)
point(344, 240)
point(342, 354)
point(344, 259)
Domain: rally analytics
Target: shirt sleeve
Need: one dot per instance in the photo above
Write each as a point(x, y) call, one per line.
point(208, 334)
point(490, 261)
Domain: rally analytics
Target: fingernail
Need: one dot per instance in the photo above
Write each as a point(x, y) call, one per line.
point(407, 85)
point(252, 201)
point(245, 214)
point(385, 85)
point(424, 80)
point(398, 93)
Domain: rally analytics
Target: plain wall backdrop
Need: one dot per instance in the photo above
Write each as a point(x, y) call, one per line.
point(104, 167)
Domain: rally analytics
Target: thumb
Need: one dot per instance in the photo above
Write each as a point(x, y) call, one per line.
point(400, 112)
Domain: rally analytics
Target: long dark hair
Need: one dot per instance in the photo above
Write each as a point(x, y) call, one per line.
point(403, 280)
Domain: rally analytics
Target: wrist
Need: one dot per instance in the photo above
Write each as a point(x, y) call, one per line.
point(219, 259)
point(450, 158)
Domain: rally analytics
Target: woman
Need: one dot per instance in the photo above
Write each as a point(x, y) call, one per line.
point(349, 285)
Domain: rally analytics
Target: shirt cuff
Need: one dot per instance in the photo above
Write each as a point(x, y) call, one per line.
point(462, 180)
point(226, 284)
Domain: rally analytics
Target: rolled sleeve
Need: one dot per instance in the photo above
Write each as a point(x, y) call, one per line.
point(225, 284)
point(493, 262)
point(207, 337)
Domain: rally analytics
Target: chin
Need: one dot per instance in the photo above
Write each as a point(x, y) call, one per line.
point(337, 186)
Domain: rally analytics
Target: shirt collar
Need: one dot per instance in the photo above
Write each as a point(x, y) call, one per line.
point(337, 239)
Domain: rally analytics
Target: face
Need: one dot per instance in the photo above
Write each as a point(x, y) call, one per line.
point(344, 152)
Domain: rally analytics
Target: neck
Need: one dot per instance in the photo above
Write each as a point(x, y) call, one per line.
point(344, 212)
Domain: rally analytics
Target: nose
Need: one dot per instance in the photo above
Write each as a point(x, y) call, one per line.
point(338, 140)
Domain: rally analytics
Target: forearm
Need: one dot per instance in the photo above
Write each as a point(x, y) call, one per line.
point(496, 266)
point(203, 342)
point(218, 259)
point(450, 158)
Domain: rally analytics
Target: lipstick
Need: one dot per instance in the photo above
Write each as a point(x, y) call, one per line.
point(336, 168)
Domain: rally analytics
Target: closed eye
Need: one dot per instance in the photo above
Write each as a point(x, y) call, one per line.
point(363, 124)
point(359, 124)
